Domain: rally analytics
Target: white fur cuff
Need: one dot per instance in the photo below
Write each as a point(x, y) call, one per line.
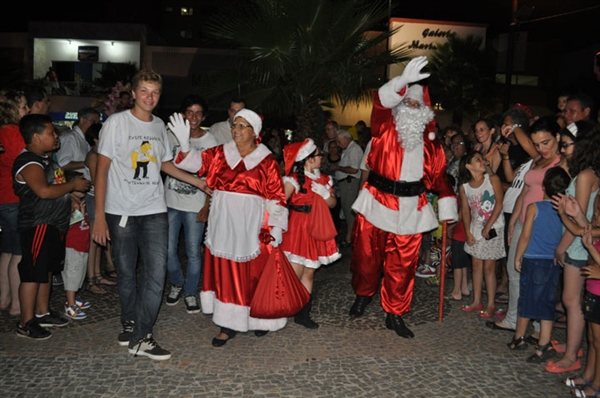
point(448, 209)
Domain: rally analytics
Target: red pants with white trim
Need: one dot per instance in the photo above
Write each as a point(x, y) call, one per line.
point(378, 252)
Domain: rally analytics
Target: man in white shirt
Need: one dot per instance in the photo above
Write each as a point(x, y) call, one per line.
point(222, 130)
point(73, 145)
point(347, 173)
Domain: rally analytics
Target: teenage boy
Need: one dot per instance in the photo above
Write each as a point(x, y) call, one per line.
point(131, 210)
point(44, 210)
point(188, 209)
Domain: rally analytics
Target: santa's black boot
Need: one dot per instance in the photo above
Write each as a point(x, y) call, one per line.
point(303, 317)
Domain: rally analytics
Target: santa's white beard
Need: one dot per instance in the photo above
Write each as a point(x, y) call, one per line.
point(410, 124)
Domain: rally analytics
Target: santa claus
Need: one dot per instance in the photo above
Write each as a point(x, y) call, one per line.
point(406, 160)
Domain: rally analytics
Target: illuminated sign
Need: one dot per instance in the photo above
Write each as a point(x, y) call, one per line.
point(87, 53)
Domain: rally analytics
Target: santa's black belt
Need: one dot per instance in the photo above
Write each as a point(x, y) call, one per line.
point(397, 188)
point(301, 209)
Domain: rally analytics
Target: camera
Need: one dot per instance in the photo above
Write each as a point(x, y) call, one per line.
point(492, 234)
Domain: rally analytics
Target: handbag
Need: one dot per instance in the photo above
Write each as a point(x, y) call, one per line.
point(279, 293)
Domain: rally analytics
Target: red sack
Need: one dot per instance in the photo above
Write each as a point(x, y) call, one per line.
point(321, 226)
point(279, 293)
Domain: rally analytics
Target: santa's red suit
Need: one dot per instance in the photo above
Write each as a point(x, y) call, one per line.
point(388, 228)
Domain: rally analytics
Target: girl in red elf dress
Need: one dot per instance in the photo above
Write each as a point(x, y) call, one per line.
point(310, 239)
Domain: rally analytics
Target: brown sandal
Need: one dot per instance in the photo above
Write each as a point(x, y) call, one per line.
point(100, 280)
point(95, 288)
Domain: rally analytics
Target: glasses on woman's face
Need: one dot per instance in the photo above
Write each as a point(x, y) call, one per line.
point(565, 145)
point(240, 125)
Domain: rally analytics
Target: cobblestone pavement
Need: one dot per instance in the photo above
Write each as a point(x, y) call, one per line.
point(458, 357)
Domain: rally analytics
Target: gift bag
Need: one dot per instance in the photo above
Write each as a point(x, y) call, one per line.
point(321, 226)
point(279, 293)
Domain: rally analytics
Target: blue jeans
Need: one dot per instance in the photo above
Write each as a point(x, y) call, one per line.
point(193, 235)
point(145, 234)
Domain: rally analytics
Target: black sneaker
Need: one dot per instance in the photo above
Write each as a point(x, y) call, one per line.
point(33, 330)
point(174, 295)
point(123, 338)
point(148, 347)
point(191, 304)
point(52, 319)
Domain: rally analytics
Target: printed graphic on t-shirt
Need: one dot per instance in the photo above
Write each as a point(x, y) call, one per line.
point(139, 160)
point(180, 187)
point(483, 205)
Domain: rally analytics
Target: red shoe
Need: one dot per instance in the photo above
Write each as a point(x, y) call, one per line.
point(485, 315)
point(560, 350)
point(500, 314)
point(467, 308)
point(552, 367)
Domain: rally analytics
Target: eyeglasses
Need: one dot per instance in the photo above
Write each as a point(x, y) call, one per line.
point(240, 125)
point(565, 145)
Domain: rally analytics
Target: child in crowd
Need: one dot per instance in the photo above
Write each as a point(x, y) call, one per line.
point(44, 208)
point(310, 239)
point(460, 259)
point(76, 253)
point(94, 274)
point(481, 204)
point(534, 259)
point(586, 383)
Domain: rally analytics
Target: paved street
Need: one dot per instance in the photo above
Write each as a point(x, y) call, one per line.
point(345, 357)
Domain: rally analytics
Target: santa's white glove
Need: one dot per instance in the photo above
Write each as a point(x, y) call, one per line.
point(320, 190)
point(274, 209)
point(180, 127)
point(412, 73)
point(276, 233)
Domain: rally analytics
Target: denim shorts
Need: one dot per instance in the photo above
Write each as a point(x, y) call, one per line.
point(591, 307)
point(538, 286)
point(9, 238)
point(575, 263)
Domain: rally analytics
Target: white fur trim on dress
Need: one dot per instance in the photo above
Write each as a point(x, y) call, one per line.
point(233, 157)
point(292, 181)
point(448, 209)
point(321, 260)
point(192, 162)
point(236, 317)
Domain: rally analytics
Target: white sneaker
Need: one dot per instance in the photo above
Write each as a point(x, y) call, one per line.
point(425, 271)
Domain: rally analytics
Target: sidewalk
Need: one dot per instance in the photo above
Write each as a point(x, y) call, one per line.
point(345, 357)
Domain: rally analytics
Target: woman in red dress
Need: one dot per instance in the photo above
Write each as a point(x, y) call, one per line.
point(310, 239)
point(247, 213)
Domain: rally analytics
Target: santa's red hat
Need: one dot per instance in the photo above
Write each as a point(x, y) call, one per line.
point(297, 151)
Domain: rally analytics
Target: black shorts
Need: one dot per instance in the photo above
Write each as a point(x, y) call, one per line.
point(591, 307)
point(43, 252)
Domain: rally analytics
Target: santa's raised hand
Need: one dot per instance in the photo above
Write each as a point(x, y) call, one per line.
point(180, 127)
point(411, 74)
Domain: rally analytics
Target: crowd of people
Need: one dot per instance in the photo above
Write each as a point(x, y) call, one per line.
point(518, 193)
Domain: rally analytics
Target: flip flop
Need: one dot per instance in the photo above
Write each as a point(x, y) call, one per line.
point(493, 326)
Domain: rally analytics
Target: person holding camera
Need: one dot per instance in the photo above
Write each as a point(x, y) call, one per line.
point(481, 198)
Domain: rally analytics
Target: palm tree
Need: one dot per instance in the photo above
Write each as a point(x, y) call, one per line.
point(298, 56)
point(463, 78)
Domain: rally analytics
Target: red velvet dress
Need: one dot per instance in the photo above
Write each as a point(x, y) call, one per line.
point(298, 244)
point(229, 285)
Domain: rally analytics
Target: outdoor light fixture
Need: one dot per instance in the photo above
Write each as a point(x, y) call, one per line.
point(112, 43)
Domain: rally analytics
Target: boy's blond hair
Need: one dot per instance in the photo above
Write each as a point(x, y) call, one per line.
point(146, 75)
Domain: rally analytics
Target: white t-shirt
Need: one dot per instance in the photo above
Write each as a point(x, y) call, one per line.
point(73, 148)
point(513, 192)
point(181, 195)
point(221, 131)
point(137, 150)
